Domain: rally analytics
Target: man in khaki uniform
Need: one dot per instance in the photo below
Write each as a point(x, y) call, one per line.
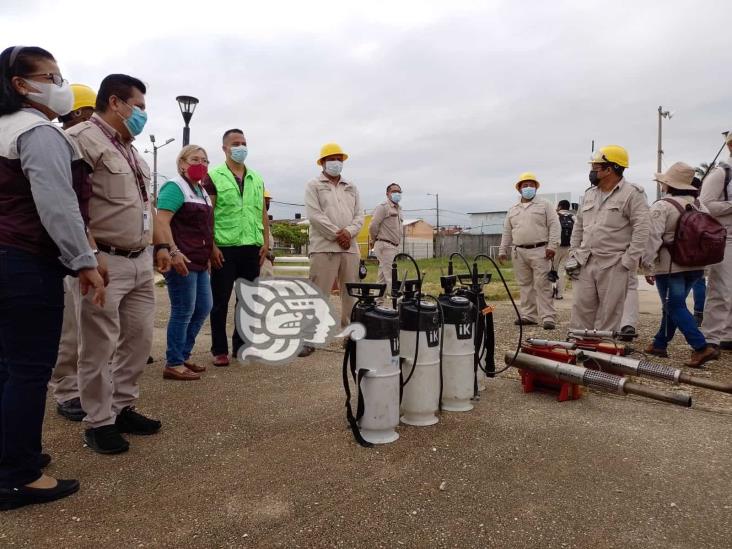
point(607, 242)
point(532, 228)
point(115, 341)
point(716, 195)
point(65, 381)
point(386, 232)
point(333, 207)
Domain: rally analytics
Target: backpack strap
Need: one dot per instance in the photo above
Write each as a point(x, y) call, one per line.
point(678, 206)
point(727, 178)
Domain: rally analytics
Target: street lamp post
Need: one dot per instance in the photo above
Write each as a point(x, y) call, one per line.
point(437, 208)
point(155, 164)
point(187, 105)
point(661, 115)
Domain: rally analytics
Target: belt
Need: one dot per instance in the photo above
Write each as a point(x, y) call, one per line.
point(387, 241)
point(531, 246)
point(111, 250)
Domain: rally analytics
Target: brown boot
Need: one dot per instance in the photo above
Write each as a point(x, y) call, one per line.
point(698, 358)
point(651, 350)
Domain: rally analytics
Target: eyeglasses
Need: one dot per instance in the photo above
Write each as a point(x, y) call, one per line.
point(51, 77)
point(197, 160)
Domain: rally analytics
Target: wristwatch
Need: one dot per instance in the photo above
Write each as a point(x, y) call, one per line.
point(159, 247)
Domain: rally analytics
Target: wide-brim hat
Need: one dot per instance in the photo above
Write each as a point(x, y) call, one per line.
point(679, 176)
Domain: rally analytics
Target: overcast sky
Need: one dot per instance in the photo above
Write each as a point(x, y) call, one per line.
point(450, 97)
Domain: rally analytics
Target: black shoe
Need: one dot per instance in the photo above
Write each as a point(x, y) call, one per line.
point(627, 333)
point(12, 498)
point(306, 351)
point(71, 409)
point(524, 322)
point(725, 345)
point(130, 421)
point(150, 360)
point(549, 325)
point(44, 461)
point(106, 440)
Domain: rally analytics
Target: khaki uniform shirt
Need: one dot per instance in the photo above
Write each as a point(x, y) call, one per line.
point(331, 208)
point(664, 218)
point(712, 196)
point(530, 223)
point(386, 223)
point(612, 228)
point(118, 215)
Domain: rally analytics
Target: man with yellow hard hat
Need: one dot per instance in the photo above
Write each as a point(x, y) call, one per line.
point(85, 99)
point(64, 381)
point(333, 207)
point(532, 228)
point(607, 243)
point(267, 268)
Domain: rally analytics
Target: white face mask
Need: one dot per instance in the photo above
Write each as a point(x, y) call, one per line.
point(60, 99)
point(333, 167)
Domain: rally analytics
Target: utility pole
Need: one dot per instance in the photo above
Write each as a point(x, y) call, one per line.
point(661, 115)
point(437, 240)
point(155, 164)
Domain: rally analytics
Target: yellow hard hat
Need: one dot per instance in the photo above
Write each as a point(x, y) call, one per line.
point(612, 154)
point(527, 176)
point(266, 194)
point(84, 96)
point(330, 149)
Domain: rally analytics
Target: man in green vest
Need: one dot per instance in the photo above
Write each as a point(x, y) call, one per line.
point(240, 221)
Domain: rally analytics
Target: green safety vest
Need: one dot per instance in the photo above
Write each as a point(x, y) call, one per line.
point(237, 216)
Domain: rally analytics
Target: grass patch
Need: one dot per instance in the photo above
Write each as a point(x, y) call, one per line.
point(433, 268)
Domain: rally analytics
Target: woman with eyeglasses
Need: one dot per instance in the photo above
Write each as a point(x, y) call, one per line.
point(183, 243)
point(42, 238)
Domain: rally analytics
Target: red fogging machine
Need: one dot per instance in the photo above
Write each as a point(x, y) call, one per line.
point(591, 350)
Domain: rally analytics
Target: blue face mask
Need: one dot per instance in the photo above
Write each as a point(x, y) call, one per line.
point(396, 197)
point(136, 121)
point(528, 192)
point(239, 154)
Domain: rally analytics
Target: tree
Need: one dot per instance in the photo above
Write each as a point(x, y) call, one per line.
point(704, 168)
point(292, 235)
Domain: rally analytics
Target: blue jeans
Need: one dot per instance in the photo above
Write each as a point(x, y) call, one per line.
point(699, 289)
point(31, 315)
point(676, 287)
point(190, 303)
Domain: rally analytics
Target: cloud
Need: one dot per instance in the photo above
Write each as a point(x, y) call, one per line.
point(456, 99)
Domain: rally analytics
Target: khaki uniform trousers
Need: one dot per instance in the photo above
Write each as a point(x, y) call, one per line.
point(560, 259)
point(328, 267)
point(266, 270)
point(599, 295)
point(631, 311)
point(115, 341)
point(531, 268)
point(717, 325)
point(385, 253)
point(64, 381)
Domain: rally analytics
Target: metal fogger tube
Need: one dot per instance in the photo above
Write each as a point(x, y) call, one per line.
point(593, 378)
point(647, 368)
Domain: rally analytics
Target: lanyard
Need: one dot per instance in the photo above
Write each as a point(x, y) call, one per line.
point(129, 157)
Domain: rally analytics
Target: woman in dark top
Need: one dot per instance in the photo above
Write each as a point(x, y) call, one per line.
point(42, 238)
point(184, 240)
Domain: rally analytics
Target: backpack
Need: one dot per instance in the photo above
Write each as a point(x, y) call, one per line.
point(566, 221)
point(699, 239)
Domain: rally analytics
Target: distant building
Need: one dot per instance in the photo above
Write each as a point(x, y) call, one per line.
point(418, 238)
point(486, 222)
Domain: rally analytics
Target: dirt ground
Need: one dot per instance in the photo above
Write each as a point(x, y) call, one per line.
point(260, 456)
